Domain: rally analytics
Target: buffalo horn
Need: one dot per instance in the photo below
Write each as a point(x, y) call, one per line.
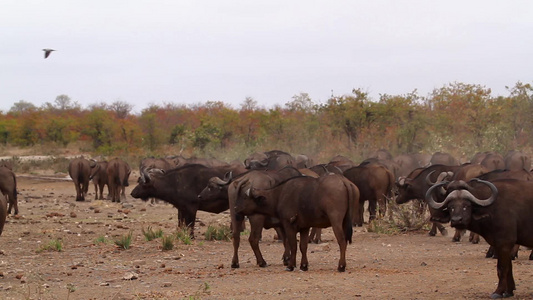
point(430, 198)
point(145, 176)
point(488, 201)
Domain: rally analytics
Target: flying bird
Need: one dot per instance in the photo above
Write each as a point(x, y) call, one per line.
point(47, 52)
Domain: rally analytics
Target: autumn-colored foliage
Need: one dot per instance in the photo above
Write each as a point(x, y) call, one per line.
point(457, 118)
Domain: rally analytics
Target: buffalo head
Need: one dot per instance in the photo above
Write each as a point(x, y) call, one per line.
point(460, 203)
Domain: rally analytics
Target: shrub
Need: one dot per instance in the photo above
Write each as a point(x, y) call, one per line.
point(53, 245)
point(150, 234)
point(219, 233)
point(167, 242)
point(183, 234)
point(124, 241)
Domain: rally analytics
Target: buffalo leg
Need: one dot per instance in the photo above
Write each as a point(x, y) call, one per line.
point(256, 227)
point(341, 240)
point(458, 234)
point(361, 212)
point(474, 238)
point(316, 235)
point(237, 228)
point(290, 235)
point(304, 242)
point(372, 209)
point(506, 284)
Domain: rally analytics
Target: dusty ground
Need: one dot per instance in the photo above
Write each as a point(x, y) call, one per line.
point(406, 266)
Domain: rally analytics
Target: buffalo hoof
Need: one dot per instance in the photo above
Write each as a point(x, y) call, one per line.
point(444, 232)
point(285, 261)
point(531, 256)
point(304, 267)
point(341, 268)
point(456, 239)
point(263, 264)
point(432, 233)
point(498, 296)
point(290, 269)
point(235, 266)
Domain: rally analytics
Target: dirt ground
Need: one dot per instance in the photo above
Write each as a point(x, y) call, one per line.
point(379, 266)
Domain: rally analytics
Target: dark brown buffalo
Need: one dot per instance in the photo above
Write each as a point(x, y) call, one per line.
point(493, 161)
point(8, 187)
point(375, 183)
point(442, 158)
point(270, 160)
point(118, 174)
point(516, 160)
point(79, 170)
point(341, 162)
point(415, 186)
point(99, 178)
point(466, 172)
point(236, 193)
point(304, 202)
point(407, 163)
point(506, 174)
point(500, 211)
point(180, 187)
point(156, 163)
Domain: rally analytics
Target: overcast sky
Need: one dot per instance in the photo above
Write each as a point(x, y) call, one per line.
point(190, 52)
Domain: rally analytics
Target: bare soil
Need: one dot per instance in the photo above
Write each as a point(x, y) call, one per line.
point(379, 266)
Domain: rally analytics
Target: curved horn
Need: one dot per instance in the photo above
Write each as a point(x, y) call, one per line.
point(488, 201)
point(145, 176)
point(430, 198)
point(428, 181)
point(218, 181)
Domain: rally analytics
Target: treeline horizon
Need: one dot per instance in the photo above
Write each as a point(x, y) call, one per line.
point(458, 118)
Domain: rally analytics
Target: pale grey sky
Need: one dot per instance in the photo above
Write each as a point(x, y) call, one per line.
point(189, 52)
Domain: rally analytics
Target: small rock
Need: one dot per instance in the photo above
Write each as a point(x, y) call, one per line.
point(19, 276)
point(130, 276)
point(167, 284)
point(423, 264)
point(73, 214)
point(104, 284)
point(221, 266)
point(96, 210)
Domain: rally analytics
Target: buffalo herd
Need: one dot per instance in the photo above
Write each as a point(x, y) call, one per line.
point(491, 196)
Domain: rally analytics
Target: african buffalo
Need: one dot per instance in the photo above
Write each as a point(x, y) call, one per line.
point(500, 211)
point(118, 174)
point(303, 202)
point(79, 170)
point(270, 160)
point(516, 160)
point(407, 163)
point(416, 184)
point(8, 187)
point(375, 183)
point(99, 178)
point(260, 179)
point(180, 187)
point(442, 158)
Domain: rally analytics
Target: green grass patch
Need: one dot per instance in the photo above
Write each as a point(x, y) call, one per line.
point(150, 234)
point(53, 245)
point(184, 235)
point(218, 232)
point(167, 242)
point(124, 241)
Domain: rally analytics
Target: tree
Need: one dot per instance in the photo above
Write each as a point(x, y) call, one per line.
point(121, 109)
point(21, 107)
